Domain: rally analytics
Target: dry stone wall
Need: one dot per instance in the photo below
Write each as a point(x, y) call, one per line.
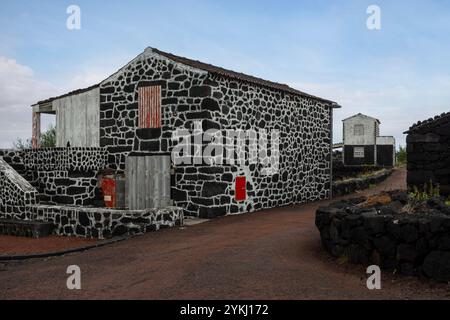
point(383, 235)
point(428, 149)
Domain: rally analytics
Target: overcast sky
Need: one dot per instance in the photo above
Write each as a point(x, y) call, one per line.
point(399, 74)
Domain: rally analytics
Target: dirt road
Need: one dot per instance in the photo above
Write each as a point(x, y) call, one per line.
point(273, 254)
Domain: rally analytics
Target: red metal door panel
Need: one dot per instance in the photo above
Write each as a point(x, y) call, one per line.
point(109, 192)
point(241, 189)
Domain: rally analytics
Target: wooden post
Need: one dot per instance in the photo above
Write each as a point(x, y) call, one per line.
point(36, 134)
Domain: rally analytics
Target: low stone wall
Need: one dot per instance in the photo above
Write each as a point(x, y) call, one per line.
point(351, 185)
point(96, 222)
point(32, 229)
point(410, 243)
point(341, 172)
point(65, 176)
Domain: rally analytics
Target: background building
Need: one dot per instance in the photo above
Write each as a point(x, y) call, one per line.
point(363, 145)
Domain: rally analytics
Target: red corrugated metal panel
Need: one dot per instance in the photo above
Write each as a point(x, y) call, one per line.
point(150, 107)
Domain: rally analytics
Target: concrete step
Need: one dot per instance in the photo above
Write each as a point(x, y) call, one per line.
point(25, 228)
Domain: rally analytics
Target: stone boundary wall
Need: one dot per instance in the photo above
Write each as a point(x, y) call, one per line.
point(14, 189)
point(412, 244)
point(351, 185)
point(98, 223)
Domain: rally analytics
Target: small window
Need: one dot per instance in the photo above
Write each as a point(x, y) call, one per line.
point(150, 107)
point(358, 152)
point(359, 130)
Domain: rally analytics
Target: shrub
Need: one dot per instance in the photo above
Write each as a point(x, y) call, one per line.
point(401, 156)
point(48, 140)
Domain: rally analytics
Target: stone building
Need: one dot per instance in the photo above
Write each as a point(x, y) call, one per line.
point(428, 149)
point(363, 145)
point(136, 119)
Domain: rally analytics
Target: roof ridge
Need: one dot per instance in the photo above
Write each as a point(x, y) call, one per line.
point(211, 69)
point(237, 75)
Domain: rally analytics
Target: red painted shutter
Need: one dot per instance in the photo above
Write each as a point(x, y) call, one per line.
point(241, 191)
point(150, 107)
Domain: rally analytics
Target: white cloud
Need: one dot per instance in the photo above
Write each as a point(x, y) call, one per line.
point(19, 89)
point(397, 107)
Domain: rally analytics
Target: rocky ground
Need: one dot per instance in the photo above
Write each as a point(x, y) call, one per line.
point(273, 254)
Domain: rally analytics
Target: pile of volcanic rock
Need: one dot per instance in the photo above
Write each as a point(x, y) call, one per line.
point(391, 230)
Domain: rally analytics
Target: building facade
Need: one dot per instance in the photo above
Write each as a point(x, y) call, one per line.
point(363, 144)
point(134, 113)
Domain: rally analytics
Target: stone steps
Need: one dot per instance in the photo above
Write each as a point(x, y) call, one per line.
point(24, 228)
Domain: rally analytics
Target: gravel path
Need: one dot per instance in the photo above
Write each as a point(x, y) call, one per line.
point(273, 254)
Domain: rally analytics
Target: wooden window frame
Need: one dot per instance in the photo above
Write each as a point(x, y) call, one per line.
point(149, 105)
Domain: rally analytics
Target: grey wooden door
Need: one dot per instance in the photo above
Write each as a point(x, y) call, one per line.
point(147, 182)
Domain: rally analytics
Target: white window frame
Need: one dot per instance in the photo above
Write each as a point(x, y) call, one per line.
point(358, 152)
point(358, 130)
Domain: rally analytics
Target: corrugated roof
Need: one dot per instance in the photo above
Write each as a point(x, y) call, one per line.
point(214, 70)
point(78, 91)
point(420, 125)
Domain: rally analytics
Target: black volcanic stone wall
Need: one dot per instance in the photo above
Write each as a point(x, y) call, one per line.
point(190, 95)
point(67, 159)
point(428, 150)
point(14, 189)
point(411, 244)
point(96, 222)
point(61, 175)
point(68, 187)
point(14, 158)
point(352, 185)
point(340, 171)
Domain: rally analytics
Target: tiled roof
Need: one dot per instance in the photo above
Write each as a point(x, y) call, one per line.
point(420, 125)
point(236, 75)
